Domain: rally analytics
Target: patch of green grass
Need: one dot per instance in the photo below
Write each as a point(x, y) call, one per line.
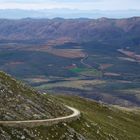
point(92, 72)
point(77, 70)
point(87, 71)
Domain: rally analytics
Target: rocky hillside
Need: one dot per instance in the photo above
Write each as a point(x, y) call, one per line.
point(98, 122)
point(19, 102)
point(70, 29)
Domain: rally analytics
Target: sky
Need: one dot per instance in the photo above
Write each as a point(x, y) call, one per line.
point(71, 4)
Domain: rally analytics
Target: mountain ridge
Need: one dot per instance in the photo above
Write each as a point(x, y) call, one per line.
point(102, 29)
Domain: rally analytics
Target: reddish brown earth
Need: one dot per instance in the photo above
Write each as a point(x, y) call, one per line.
point(130, 54)
point(105, 66)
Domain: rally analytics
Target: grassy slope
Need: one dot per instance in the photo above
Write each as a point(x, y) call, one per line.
point(98, 122)
point(101, 122)
point(77, 84)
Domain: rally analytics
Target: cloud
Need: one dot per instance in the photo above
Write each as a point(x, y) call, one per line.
point(49, 4)
point(44, 1)
point(71, 4)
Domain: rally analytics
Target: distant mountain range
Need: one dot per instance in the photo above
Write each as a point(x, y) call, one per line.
point(103, 29)
point(66, 13)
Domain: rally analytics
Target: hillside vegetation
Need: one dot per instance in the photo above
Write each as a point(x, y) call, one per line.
point(20, 102)
point(98, 122)
point(102, 122)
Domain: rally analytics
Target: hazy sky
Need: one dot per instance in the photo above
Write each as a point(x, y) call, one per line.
point(71, 4)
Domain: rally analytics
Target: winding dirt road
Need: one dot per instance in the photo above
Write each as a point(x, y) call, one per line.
point(48, 122)
point(85, 64)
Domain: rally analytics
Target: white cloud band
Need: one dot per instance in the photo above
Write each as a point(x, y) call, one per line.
point(77, 4)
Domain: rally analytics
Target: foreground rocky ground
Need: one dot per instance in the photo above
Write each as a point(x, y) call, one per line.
point(97, 121)
point(20, 102)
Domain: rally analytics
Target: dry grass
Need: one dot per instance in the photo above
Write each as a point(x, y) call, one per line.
point(105, 66)
point(111, 74)
point(37, 79)
point(68, 53)
point(78, 84)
